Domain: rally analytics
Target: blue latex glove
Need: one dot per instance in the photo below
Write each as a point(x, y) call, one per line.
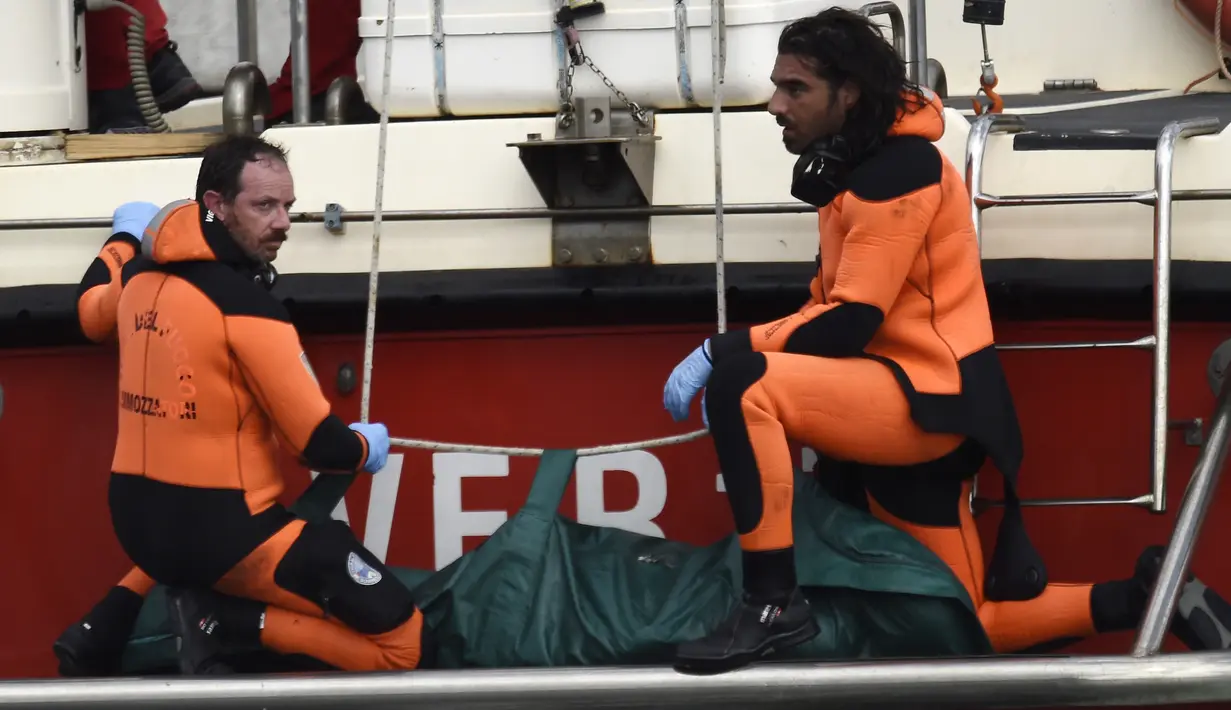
point(378, 445)
point(686, 381)
point(133, 217)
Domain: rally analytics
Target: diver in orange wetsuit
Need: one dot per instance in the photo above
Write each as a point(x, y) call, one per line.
point(891, 364)
point(212, 376)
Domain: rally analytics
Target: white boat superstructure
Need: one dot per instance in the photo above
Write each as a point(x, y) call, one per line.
point(1141, 53)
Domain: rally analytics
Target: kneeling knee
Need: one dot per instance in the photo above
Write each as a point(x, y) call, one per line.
point(408, 647)
point(351, 584)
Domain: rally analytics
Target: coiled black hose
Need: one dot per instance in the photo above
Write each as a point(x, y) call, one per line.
point(135, 40)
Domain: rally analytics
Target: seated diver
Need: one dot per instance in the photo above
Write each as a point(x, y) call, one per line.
point(212, 375)
point(890, 364)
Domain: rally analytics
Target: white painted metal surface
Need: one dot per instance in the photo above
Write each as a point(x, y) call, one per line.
point(465, 164)
point(1125, 44)
point(637, 43)
point(42, 88)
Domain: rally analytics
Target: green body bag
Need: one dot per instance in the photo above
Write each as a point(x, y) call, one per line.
point(547, 591)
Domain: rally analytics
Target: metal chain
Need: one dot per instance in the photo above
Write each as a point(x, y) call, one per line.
point(567, 113)
point(567, 110)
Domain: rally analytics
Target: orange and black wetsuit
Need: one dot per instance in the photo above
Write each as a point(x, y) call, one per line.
point(891, 364)
point(99, 290)
point(212, 377)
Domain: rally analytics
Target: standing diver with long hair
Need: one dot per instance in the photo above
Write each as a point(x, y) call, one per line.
point(890, 365)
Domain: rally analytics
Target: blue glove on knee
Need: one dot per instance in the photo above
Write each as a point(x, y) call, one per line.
point(133, 217)
point(686, 381)
point(378, 445)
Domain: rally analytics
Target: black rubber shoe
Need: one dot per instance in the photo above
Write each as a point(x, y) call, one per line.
point(173, 84)
point(94, 646)
point(1202, 618)
point(194, 620)
point(752, 631)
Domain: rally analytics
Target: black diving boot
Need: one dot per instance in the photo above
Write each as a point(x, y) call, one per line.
point(1202, 618)
point(209, 626)
point(94, 646)
point(772, 616)
point(173, 84)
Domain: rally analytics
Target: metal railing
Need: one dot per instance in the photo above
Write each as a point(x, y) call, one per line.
point(917, 43)
point(1161, 198)
point(248, 36)
point(466, 214)
point(897, 24)
point(248, 43)
point(1196, 504)
point(997, 682)
point(301, 79)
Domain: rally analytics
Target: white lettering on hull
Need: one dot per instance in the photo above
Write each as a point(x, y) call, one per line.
point(453, 523)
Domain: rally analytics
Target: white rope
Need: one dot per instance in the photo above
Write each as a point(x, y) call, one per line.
point(519, 451)
point(1218, 55)
point(717, 38)
point(369, 336)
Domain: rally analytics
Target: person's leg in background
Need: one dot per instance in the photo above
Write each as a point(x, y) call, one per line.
point(94, 645)
point(931, 503)
point(333, 43)
point(113, 103)
point(277, 598)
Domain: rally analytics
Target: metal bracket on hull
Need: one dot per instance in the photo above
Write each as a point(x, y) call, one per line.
point(603, 160)
point(333, 218)
point(1194, 430)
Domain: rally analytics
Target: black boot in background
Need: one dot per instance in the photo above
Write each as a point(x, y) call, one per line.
point(173, 84)
point(1202, 618)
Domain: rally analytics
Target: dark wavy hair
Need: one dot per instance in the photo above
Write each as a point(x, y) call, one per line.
point(223, 162)
point(842, 45)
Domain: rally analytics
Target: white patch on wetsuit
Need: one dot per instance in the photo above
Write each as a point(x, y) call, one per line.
point(361, 571)
point(303, 357)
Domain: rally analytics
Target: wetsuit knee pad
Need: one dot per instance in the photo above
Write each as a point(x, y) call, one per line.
point(927, 493)
point(327, 565)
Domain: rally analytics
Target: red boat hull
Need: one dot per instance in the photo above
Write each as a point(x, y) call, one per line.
point(1085, 416)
